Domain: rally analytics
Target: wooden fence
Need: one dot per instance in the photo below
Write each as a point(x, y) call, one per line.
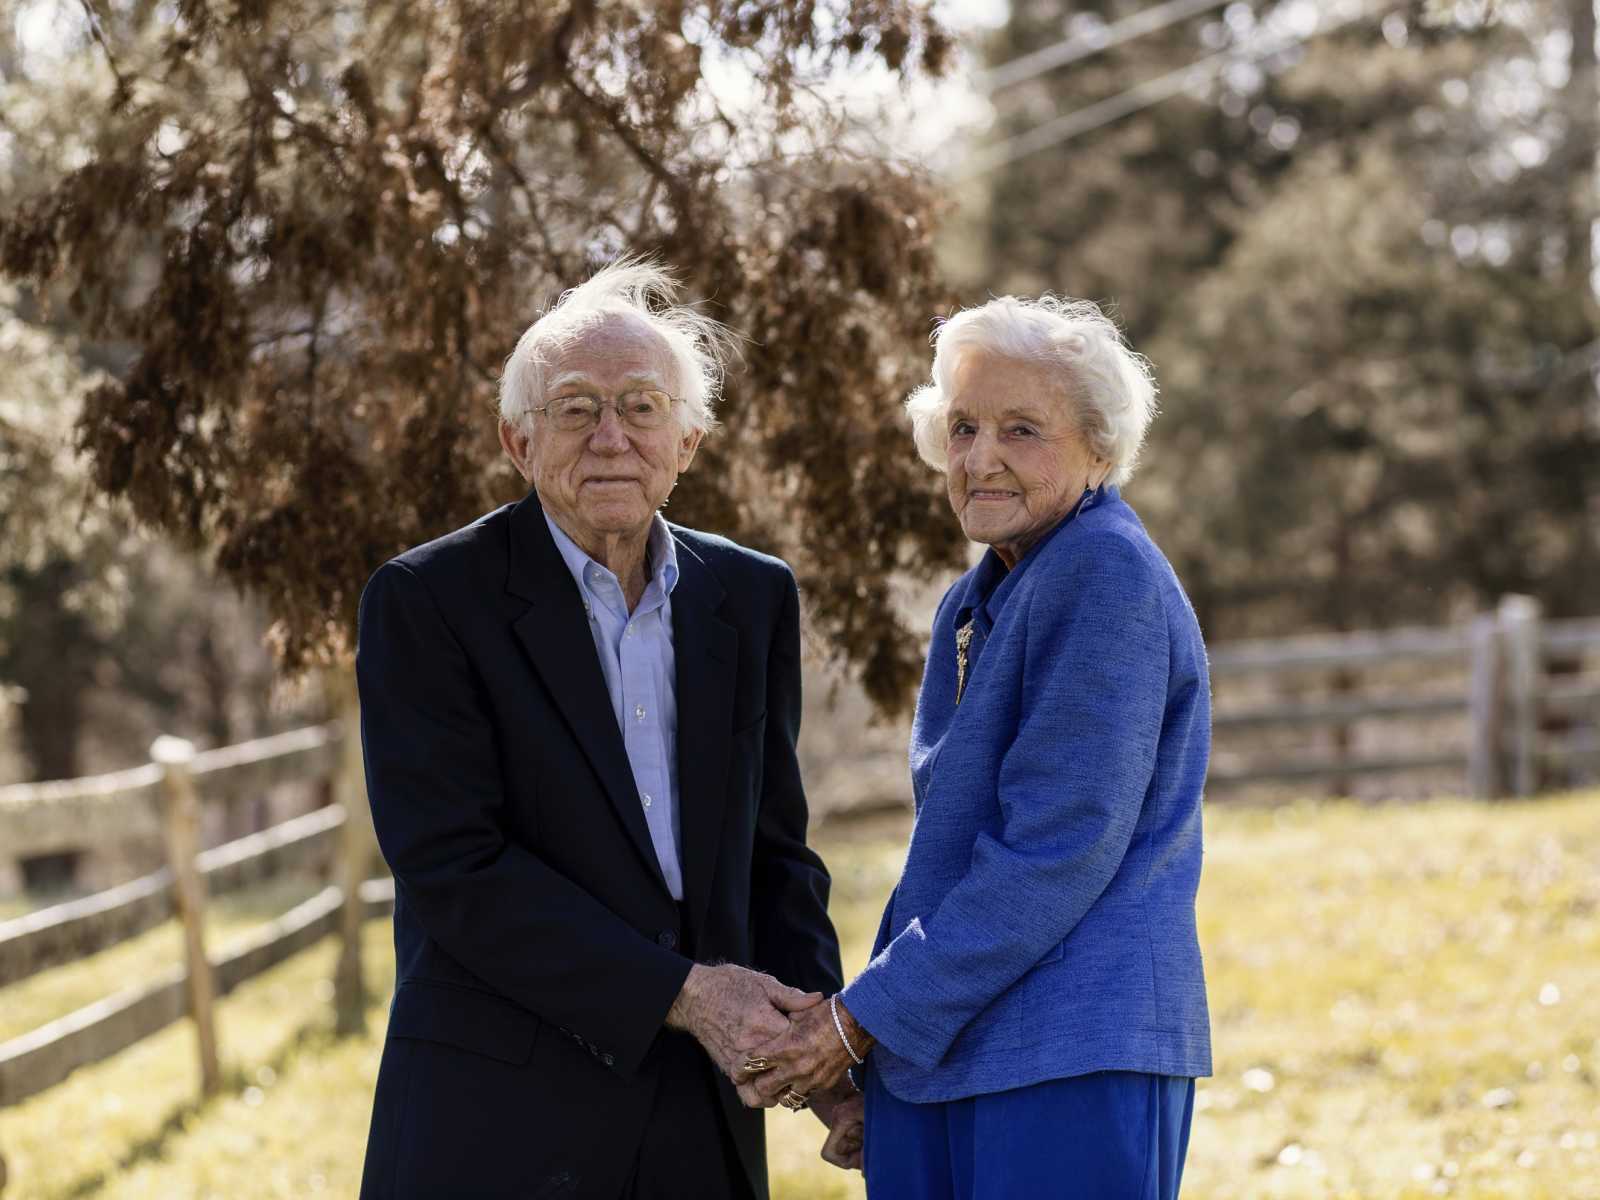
point(1527, 725)
point(335, 841)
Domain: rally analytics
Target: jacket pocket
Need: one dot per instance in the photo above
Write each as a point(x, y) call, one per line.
point(466, 1018)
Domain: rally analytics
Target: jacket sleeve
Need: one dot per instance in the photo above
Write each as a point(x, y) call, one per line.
point(793, 938)
point(433, 776)
point(1072, 783)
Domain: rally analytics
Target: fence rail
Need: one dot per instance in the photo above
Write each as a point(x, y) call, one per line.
point(165, 796)
point(1335, 650)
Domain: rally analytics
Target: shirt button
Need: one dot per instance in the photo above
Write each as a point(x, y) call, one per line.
point(667, 939)
point(638, 711)
point(608, 1060)
point(630, 631)
point(646, 799)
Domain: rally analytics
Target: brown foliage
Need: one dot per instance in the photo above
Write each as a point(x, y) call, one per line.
point(321, 228)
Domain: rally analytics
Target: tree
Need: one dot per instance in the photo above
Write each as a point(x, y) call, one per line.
point(101, 629)
point(1361, 268)
point(320, 228)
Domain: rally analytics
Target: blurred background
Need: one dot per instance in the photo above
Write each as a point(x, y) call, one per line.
point(260, 260)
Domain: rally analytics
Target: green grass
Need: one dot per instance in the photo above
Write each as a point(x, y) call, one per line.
point(1405, 1003)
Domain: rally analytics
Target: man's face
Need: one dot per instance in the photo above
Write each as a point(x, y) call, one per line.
point(609, 480)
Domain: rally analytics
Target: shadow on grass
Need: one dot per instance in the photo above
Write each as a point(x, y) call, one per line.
point(311, 1038)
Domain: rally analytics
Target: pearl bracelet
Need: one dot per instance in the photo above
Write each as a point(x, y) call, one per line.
point(833, 1007)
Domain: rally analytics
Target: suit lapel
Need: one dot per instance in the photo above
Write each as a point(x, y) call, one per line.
point(706, 650)
point(555, 634)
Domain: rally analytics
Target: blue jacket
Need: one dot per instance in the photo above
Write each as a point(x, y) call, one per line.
point(1044, 923)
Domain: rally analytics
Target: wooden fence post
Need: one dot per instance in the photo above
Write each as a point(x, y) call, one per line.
point(180, 811)
point(1486, 777)
point(356, 844)
point(1519, 623)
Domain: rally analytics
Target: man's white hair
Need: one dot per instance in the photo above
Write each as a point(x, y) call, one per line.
point(1110, 388)
point(629, 287)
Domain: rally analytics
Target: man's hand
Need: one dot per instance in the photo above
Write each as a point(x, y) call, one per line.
point(827, 1102)
point(731, 1010)
point(842, 1109)
point(809, 1057)
point(846, 1132)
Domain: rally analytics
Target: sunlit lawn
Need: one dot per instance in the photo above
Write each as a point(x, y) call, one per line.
point(1406, 1003)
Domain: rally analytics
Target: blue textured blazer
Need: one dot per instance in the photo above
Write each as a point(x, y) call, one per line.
point(1044, 925)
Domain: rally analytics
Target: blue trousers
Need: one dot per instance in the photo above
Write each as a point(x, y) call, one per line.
point(1112, 1135)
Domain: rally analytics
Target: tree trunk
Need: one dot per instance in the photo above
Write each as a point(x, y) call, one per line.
point(51, 656)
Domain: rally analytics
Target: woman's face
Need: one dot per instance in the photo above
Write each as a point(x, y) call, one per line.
point(1016, 462)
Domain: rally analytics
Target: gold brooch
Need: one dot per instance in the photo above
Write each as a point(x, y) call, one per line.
point(963, 640)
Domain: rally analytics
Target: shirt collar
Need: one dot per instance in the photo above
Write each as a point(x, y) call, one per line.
point(661, 558)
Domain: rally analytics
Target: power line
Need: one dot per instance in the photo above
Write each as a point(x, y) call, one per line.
point(1142, 96)
point(1084, 45)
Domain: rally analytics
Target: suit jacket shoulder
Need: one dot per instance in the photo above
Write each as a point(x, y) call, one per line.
point(452, 553)
point(741, 571)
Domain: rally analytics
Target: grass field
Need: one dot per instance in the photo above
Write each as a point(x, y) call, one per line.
point(1405, 1003)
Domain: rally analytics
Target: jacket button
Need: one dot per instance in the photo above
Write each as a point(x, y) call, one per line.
point(667, 939)
point(608, 1060)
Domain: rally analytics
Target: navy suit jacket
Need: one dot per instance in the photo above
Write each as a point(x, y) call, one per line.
point(536, 940)
point(1044, 923)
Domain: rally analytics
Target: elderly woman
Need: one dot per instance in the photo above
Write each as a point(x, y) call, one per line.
point(1033, 1015)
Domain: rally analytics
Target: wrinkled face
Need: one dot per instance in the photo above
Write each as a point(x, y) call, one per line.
point(1016, 462)
point(610, 480)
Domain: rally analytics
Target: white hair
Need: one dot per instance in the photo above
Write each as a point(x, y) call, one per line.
point(1110, 387)
point(629, 287)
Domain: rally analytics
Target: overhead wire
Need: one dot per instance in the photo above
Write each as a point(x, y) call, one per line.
point(1083, 45)
point(1080, 121)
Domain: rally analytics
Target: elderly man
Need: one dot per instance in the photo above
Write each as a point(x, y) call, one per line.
point(579, 724)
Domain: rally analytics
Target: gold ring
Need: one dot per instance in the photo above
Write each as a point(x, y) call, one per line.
point(792, 1100)
point(757, 1065)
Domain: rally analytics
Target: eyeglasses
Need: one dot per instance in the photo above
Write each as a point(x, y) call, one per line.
point(644, 410)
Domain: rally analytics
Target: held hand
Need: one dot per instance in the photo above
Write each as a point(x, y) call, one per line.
point(846, 1134)
point(808, 1058)
point(730, 1010)
point(831, 1101)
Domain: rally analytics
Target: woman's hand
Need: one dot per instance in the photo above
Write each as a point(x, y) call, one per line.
point(810, 1057)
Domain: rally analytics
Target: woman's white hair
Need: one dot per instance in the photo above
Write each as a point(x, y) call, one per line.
point(630, 287)
point(1111, 388)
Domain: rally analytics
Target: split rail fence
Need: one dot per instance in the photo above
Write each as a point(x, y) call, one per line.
point(1530, 699)
point(334, 841)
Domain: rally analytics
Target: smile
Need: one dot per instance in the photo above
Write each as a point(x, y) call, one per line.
point(991, 495)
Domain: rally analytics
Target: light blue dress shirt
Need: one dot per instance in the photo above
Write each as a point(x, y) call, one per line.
point(636, 658)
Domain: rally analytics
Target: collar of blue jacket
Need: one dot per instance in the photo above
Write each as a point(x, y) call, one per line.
point(986, 587)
